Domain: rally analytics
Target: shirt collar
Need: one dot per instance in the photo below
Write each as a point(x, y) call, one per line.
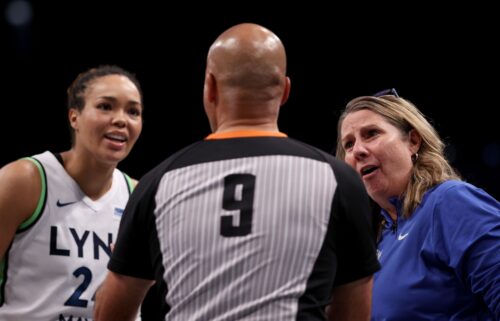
point(245, 133)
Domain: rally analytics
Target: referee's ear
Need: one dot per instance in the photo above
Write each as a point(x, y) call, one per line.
point(286, 91)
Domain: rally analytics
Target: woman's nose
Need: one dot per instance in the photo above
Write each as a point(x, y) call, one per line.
point(119, 119)
point(359, 150)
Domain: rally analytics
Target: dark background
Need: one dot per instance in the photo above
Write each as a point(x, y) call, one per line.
point(442, 59)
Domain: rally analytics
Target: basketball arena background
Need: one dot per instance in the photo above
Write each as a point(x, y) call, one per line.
point(445, 60)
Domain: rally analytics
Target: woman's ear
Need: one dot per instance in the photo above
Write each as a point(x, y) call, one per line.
point(415, 141)
point(73, 116)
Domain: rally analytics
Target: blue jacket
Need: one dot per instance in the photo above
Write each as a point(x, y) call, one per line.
point(443, 263)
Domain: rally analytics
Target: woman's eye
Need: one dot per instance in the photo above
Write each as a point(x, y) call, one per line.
point(134, 112)
point(347, 145)
point(104, 106)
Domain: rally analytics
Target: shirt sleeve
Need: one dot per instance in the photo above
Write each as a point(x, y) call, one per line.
point(132, 252)
point(353, 236)
point(466, 230)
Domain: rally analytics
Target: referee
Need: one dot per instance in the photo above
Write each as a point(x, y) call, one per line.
point(247, 224)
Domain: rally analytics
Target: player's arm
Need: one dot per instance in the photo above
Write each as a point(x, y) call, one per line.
point(20, 188)
point(352, 301)
point(119, 297)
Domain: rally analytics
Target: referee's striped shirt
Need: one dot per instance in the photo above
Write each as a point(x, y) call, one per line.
point(247, 228)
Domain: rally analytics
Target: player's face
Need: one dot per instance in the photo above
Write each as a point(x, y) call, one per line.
point(111, 121)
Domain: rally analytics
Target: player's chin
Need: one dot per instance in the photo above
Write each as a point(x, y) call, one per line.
point(114, 157)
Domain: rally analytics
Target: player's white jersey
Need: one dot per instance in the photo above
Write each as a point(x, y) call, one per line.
point(58, 257)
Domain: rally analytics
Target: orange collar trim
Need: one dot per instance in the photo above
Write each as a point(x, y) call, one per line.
point(244, 133)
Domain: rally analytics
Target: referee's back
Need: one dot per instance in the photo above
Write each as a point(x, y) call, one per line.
point(251, 228)
point(246, 224)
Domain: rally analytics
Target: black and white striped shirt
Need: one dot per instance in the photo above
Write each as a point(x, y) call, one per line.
point(247, 228)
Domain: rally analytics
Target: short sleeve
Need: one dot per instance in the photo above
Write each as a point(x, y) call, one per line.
point(132, 252)
point(353, 235)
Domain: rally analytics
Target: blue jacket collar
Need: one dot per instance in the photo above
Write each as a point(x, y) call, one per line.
point(398, 204)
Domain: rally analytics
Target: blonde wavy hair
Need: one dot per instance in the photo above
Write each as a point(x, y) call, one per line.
point(430, 167)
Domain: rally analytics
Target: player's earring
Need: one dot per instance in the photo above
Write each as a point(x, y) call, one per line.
point(414, 158)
